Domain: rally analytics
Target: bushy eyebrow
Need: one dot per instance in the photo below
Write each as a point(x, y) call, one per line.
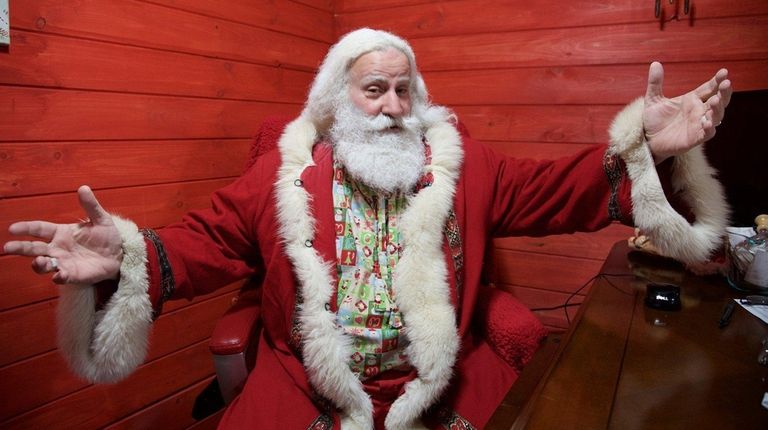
point(380, 79)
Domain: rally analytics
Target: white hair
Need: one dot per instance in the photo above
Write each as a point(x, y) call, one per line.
point(331, 82)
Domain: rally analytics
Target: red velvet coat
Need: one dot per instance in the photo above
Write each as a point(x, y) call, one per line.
point(494, 196)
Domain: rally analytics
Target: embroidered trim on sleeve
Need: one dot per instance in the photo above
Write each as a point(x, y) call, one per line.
point(450, 420)
point(453, 235)
point(613, 171)
point(167, 285)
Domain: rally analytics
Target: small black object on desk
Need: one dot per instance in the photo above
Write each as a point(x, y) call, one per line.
point(662, 296)
point(725, 319)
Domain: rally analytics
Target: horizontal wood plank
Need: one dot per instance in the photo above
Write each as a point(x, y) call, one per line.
point(537, 150)
point(151, 206)
point(290, 17)
point(148, 25)
point(538, 123)
point(52, 379)
point(55, 167)
point(536, 298)
point(99, 405)
point(595, 246)
point(425, 19)
point(44, 114)
point(55, 61)
point(170, 413)
point(346, 6)
point(38, 322)
point(47, 374)
point(726, 39)
point(209, 423)
point(583, 85)
point(546, 272)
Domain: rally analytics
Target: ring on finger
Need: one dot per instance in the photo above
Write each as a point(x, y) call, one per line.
point(55, 264)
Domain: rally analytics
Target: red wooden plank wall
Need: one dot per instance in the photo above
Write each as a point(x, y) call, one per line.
point(153, 104)
point(544, 78)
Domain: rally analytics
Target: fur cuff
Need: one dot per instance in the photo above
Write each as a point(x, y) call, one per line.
point(692, 177)
point(108, 345)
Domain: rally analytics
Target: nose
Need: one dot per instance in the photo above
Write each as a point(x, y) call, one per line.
point(391, 104)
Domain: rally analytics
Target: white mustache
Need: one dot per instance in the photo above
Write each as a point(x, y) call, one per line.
point(383, 122)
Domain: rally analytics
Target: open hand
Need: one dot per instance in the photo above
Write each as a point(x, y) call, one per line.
point(82, 253)
point(673, 126)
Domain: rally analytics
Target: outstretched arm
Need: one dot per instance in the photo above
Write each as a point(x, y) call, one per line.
point(80, 253)
point(674, 126)
point(654, 128)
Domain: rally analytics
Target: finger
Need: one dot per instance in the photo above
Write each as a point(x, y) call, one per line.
point(92, 208)
point(655, 81)
point(42, 229)
point(43, 265)
point(710, 88)
point(27, 248)
point(61, 277)
point(716, 109)
point(725, 92)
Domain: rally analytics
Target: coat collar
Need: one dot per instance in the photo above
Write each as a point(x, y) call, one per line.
point(420, 280)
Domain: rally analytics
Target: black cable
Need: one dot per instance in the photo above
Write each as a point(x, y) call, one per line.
point(553, 308)
point(568, 303)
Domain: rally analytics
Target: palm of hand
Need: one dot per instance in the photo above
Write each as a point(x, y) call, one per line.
point(87, 253)
point(673, 126)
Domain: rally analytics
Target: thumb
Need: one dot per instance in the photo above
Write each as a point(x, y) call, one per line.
point(92, 208)
point(655, 81)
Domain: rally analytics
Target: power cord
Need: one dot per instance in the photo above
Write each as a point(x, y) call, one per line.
point(568, 303)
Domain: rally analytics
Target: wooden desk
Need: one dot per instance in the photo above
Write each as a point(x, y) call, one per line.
point(623, 365)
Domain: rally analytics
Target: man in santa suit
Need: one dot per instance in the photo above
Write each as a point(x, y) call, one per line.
point(361, 340)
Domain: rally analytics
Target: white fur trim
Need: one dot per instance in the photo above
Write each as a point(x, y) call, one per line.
point(692, 176)
point(420, 285)
point(324, 345)
point(108, 345)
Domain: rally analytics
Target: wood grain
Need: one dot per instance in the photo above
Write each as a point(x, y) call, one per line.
point(151, 206)
point(173, 412)
point(726, 39)
point(154, 26)
point(427, 19)
point(171, 331)
point(313, 22)
point(538, 123)
point(50, 60)
point(98, 405)
point(583, 85)
point(56, 167)
point(179, 326)
point(45, 114)
point(550, 272)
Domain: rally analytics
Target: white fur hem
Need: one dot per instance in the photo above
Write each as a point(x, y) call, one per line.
point(692, 176)
point(108, 345)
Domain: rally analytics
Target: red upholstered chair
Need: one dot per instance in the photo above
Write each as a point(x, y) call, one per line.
point(509, 327)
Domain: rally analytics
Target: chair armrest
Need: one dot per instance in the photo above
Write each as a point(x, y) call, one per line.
point(233, 344)
point(234, 331)
point(512, 330)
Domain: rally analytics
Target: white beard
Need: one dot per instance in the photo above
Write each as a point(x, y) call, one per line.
point(386, 159)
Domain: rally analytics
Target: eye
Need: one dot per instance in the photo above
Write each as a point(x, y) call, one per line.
point(373, 90)
point(402, 91)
